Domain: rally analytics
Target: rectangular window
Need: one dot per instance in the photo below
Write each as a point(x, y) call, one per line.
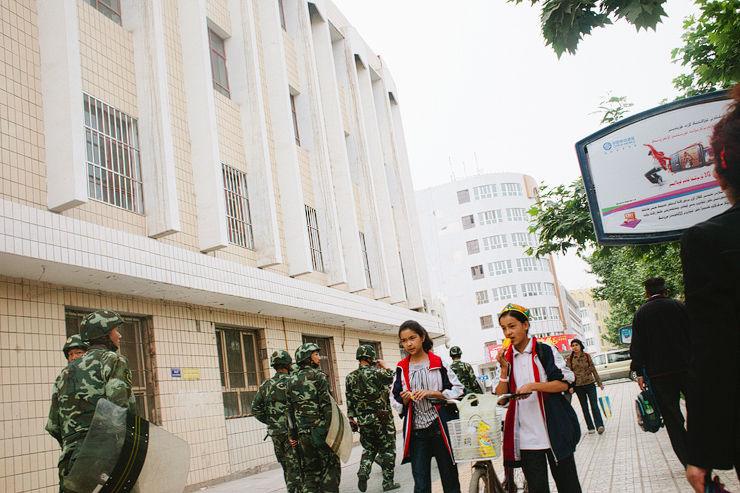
point(239, 368)
point(550, 288)
point(481, 297)
point(500, 267)
point(238, 217)
point(463, 196)
point(317, 261)
point(112, 155)
point(527, 264)
point(520, 239)
point(365, 261)
point(490, 217)
point(545, 265)
point(295, 121)
point(510, 189)
point(327, 361)
point(486, 322)
point(538, 313)
point(531, 289)
point(581, 303)
point(515, 214)
point(281, 11)
point(554, 313)
point(484, 192)
point(473, 247)
point(376, 345)
point(468, 222)
point(504, 293)
point(477, 272)
point(109, 8)
point(218, 64)
point(494, 242)
point(136, 347)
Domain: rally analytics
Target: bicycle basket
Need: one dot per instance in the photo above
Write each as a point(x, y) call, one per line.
point(477, 434)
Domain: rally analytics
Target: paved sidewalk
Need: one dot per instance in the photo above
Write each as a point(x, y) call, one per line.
point(624, 459)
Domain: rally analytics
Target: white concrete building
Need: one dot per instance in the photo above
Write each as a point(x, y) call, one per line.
point(593, 319)
point(475, 233)
point(230, 175)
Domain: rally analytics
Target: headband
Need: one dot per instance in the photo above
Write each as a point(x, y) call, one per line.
point(514, 308)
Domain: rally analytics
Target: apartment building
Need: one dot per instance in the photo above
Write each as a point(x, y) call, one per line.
point(593, 317)
point(476, 235)
point(229, 175)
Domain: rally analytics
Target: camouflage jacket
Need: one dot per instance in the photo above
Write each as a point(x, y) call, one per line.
point(367, 392)
point(466, 375)
point(271, 403)
point(308, 391)
point(97, 374)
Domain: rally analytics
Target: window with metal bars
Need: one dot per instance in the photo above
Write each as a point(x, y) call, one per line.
point(463, 196)
point(481, 297)
point(218, 64)
point(486, 322)
point(468, 222)
point(317, 260)
point(238, 216)
point(473, 247)
point(295, 120)
point(326, 364)
point(477, 272)
point(109, 8)
point(112, 155)
point(240, 372)
point(365, 261)
point(136, 348)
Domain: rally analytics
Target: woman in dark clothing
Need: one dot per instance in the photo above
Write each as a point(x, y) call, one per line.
point(710, 253)
point(583, 367)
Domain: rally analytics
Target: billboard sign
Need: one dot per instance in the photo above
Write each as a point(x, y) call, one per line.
point(625, 335)
point(649, 177)
point(560, 341)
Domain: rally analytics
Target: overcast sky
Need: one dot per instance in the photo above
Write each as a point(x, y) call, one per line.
point(475, 79)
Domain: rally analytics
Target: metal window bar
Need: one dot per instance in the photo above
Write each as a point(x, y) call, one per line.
point(238, 214)
point(240, 374)
point(317, 260)
point(109, 8)
point(112, 155)
point(218, 64)
point(365, 261)
point(327, 362)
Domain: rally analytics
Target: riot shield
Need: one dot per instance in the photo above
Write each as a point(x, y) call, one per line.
point(125, 453)
point(339, 438)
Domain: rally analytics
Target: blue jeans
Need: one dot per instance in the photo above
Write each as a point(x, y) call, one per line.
point(588, 393)
point(425, 444)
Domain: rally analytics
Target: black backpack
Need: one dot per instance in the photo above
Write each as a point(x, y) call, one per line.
point(648, 414)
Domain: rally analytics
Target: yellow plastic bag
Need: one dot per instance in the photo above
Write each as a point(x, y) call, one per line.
point(485, 444)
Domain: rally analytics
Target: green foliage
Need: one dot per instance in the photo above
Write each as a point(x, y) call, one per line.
point(613, 107)
point(711, 48)
point(565, 22)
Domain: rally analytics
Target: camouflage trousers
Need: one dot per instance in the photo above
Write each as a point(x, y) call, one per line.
point(379, 444)
point(67, 460)
point(321, 468)
point(288, 459)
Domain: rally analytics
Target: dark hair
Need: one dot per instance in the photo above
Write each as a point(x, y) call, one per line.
point(655, 285)
point(578, 341)
point(427, 345)
point(725, 144)
point(513, 313)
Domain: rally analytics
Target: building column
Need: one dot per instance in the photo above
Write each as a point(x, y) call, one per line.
point(144, 20)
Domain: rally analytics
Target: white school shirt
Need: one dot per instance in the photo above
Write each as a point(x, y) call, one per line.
point(530, 421)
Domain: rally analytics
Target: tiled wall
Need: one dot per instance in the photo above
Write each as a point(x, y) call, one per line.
point(32, 333)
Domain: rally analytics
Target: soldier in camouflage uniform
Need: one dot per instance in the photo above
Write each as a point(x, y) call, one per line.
point(74, 348)
point(99, 373)
point(369, 408)
point(464, 372)
point(308, 391)
point(271, 406)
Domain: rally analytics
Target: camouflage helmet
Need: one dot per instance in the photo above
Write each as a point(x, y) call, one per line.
point(74, 342)
point(99, 324)
point(304, 351)
point(281, 357)
point(366, 351)
point(455, 351)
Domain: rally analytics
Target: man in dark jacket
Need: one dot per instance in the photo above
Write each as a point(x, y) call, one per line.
point(660, 352)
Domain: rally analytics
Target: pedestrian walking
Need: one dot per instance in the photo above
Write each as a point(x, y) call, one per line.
point(541, 426)
point(711, 269)
point(100, 373)
point(660, 351)
point(464, 372)
point(369, 408)
point(271, 406)
point(308, 391)
point(582, 366)
point(422, 376)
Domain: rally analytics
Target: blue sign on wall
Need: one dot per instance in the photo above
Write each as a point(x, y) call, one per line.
point(175, 373)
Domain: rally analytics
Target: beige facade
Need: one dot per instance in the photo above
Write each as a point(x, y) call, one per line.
point(593, 319)
point(230, 175)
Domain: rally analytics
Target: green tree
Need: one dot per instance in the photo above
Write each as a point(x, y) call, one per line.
point(565, 22)
point(711, 48)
